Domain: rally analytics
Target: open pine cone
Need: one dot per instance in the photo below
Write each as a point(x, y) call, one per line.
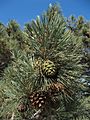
point(58, 88)
point(38, 99)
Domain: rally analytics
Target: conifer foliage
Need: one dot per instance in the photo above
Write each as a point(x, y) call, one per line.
point(42, 82)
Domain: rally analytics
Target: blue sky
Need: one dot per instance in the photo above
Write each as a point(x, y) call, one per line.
point(25, 10)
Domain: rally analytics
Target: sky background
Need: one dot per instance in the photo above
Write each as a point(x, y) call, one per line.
point(24, 11)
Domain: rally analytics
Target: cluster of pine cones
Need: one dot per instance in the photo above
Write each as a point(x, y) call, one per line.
point(49, 97)
point(42, 99)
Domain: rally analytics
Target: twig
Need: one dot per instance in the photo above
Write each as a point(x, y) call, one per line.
point(12, 118)
point(36, 115)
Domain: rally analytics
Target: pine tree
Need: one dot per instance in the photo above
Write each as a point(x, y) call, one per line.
point(81, 28)
point(43, 81)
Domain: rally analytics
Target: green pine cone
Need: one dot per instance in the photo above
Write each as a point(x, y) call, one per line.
point(49, 69)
